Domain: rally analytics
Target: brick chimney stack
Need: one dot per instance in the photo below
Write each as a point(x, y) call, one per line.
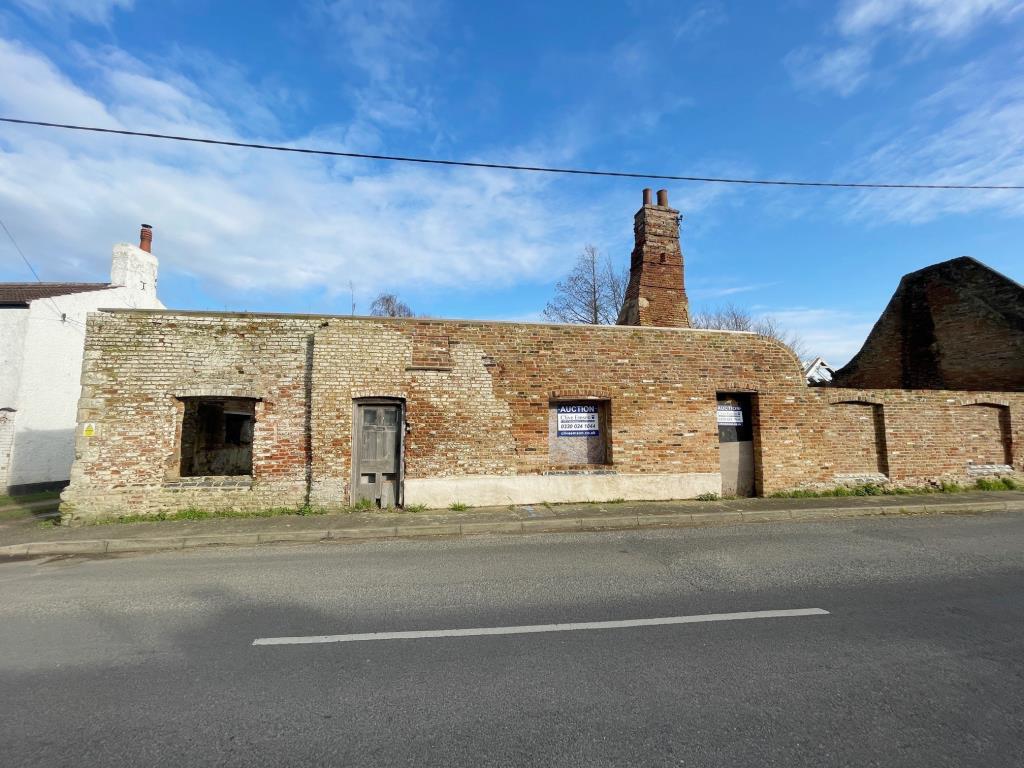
point(146, 238)
point(656, 295)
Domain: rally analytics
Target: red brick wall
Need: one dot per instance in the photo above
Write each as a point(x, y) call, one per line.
point(482, 408)
point(855, 435)
point(984, 433)
point(956, 325)
point(656, 294)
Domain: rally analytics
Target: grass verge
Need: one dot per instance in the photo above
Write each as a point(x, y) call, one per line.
point(874, 489)
point(194, 513)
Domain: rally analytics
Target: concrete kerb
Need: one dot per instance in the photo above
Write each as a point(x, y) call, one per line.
point(551, 525)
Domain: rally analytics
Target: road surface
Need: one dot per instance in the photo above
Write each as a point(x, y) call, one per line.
point(913, 656)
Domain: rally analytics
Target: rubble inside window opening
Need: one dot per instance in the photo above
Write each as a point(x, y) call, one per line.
point(216, 436)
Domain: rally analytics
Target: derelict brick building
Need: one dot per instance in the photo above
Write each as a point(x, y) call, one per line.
point(244, 411)
point(954, 325)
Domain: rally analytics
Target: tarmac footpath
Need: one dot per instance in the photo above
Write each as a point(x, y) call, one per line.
point(28, 538)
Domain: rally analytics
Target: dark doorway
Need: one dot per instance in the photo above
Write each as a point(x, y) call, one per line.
point(377, 453)
point(736, 443)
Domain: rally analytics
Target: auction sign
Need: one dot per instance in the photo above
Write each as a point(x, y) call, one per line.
point(577, 421)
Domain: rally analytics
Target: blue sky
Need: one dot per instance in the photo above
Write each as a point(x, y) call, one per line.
point(857, 90)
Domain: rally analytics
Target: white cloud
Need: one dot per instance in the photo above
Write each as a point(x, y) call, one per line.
point(941, 18)
point(33, 86)
point(842, 70)
point(256, 220)
point(863, 24)
point(834, 334)
point(387, 42)
point(980, 142)
point(702, 290)
point(94, 11)
point(700, 20)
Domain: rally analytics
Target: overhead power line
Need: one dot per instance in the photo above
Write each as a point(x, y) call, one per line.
point(53, 301)
point(20, 252)
point(507, 166)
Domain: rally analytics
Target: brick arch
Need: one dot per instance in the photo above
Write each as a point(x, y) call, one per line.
point(221, 390)
point(855, 397)
point(579, 393)
point(985, 401)
point(738, 385)
point(382, 393)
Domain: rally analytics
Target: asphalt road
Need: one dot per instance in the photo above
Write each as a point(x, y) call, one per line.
point(148, 660)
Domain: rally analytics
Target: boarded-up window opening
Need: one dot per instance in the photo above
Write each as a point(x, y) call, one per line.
point(578, 432)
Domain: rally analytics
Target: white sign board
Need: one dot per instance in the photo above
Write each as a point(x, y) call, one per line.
point(577, 421)
point(730, 415)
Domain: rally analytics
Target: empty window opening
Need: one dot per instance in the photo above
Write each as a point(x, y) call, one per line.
point(216, 436)
point(578, 432)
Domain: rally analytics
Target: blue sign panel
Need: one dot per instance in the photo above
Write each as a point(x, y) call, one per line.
point(577, 421)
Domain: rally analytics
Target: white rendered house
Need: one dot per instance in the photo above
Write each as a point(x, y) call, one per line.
point(42, 331)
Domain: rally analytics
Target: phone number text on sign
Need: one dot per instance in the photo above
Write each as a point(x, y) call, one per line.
point(577, 421)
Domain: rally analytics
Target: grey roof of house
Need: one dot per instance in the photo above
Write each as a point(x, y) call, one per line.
point(20, 294)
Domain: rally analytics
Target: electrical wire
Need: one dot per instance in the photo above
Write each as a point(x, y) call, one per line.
point(63, 316)
point(508, 166)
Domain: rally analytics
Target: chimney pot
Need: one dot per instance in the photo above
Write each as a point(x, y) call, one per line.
point(647, 197)
point(146, 238)
point(663, 198)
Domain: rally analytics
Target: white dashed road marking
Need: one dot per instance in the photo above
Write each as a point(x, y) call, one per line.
point(534, 628)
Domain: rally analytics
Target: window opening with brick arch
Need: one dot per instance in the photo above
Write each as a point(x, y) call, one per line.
point(856, 445)
point(217, 436)
point(578, 432)
point(985, 436)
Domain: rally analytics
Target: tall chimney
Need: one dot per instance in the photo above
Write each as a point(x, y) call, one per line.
point(656, 295)
point(146, 238)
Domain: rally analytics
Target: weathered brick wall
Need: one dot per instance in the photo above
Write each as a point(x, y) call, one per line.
point(488, 414)
point(478, 399)
point(984, 431)
point(929, 436)
point(857, 433)
point(955, 325)
point(135, 368)
point(656, 293)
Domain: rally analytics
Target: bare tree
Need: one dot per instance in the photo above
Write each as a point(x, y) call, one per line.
point(733, 318)
point(389, 305)
point(592, 293)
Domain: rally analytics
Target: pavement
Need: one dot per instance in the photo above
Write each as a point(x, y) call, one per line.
point(32, 534)
point(149, 659)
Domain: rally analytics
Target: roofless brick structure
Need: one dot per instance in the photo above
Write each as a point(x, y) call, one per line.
point(954, 325)
point(245, 411)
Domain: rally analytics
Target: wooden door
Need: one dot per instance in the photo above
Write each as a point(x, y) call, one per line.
point(377, 475)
